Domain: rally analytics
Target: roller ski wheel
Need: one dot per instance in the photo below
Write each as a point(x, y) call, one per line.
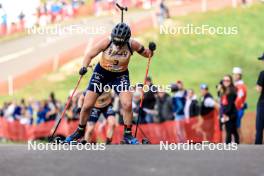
point(129, 139)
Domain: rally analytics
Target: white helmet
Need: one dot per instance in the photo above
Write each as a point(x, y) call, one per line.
point(237, 70)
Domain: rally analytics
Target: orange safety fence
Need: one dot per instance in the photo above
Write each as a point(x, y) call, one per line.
point(196, 129)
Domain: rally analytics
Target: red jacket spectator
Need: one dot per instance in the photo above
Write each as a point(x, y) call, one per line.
point(241, 94)
point(241, 88)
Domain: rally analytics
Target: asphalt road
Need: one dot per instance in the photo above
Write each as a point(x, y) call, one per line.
point(126, 160)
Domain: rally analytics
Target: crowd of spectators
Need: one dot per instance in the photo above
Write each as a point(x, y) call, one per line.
point(38, 14)
point(42, 13)
point(31, 111)
point(178, 104)
point(158, 106)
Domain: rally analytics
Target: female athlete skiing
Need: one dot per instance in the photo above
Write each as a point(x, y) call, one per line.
point(112, 70)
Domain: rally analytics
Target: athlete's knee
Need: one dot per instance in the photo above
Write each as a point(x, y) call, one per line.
point(87, 106)
point(127, 106)
point(111, 122)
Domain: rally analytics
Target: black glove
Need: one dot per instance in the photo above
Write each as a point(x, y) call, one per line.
point(152, 46)
point(83, 71)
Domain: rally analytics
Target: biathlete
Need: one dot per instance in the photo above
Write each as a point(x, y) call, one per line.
point(103, 105)
point(112, 70)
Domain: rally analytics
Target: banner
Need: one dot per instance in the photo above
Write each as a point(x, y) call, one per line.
point(197, 129)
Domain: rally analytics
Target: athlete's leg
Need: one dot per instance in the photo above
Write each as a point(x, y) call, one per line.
point(125, 96)
point(89, 131)
point(126, 104)
point(88, 104)
point(110, 129)
point(94, 89)
point(109, 114)
point(94, 116)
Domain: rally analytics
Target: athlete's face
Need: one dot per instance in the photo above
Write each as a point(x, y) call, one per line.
point(119, 45)
point(118, 42)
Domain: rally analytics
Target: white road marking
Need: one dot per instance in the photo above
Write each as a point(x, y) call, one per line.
point(15, 55)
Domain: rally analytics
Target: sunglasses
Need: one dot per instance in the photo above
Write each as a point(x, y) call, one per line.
point(227, 80)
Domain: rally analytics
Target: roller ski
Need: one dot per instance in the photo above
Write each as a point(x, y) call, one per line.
point(75, 137)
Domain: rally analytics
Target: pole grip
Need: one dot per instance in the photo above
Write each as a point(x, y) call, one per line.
point(152, 46)
point(120, 7)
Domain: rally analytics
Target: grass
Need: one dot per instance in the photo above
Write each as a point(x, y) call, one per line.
point(194, 59)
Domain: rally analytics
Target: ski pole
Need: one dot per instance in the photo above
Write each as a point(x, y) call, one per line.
point(152, 47)
point(65, 108)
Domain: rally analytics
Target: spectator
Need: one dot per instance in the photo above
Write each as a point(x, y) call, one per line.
point(241, 104)
point(260, 107)
point(149, 101)
point(179, 100)
point(164, 107)
point(1, 112)
point(55, 11)
point(207, 101)
point(228, 99)
point(25, 118)
point(69, 112)
point(3, 21)
point(53, 107)
point(17, 112)
point(10, 109)
point(75, 108)
point(244, 2)
point(220, 92)
point(73, 111)
point(21, 18)
point(42, 112)
point(163, 12)
point(191, 108)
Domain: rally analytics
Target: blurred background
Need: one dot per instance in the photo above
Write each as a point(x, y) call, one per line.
point(43, 43)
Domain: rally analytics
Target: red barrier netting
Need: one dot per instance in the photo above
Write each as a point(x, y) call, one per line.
point(196, 129)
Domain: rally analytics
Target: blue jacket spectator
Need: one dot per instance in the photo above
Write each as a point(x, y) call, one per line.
point(42, 113)
point(179, 100)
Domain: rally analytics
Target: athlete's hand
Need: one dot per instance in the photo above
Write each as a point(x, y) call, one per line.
point(149, 53)
point(83, 71)
point(152, 48)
